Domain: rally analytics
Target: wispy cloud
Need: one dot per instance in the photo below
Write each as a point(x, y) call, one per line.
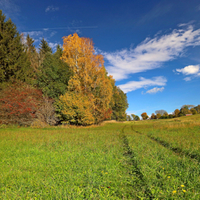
point(155, 90)
point(51, 9)
point(53, 33)
point(156, 12)
point(151, 53)
point(10, 9)
point(187, 79)
point(33, 33)
point(143, 83)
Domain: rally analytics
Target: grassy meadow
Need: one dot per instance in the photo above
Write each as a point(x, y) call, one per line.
point(153, 159)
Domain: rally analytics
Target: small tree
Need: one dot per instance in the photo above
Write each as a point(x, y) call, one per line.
point(133, 116)
point(194, 112)
point(165, 115)
point(153, 116)
point(46, 112)
point(176, 113)
point(161, 112)
point(184, 111)
point(137, 118)
point(170, 116)
point(128, 118)
point(158, 115)
point(197, 108)
point(144, 116)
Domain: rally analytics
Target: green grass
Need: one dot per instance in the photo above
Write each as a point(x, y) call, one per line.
point(133, 160)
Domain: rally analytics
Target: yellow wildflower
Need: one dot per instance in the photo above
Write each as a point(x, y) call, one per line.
point(182, 186)
point(174, 192)
point(184, 190)
point(168, 177)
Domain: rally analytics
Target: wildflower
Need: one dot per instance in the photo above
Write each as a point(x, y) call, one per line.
point(106, 173)
point(168, 177)
point(174, 192)
point(184, 190)
point(182, 186)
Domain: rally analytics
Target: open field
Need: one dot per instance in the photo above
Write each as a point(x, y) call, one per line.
point(155, 159)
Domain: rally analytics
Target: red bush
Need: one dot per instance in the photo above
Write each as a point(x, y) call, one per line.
point(18, 104)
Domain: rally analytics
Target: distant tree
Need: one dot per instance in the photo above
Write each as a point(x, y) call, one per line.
point(128, 118)
point(133, 116)
point(194, 112)
point(144, 116)
point(137, 118)
point(165, 115)
point(197, 108)
point(187, 106)
point(14, 63)
point(184, 110)
point(176, 113)
point(171, 116)
point(153, 116)
point(158, 115)
point(161, 112)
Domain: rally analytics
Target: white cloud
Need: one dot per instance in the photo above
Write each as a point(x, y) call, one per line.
point(190, 69)
point(53, 33)
point(33, 34)
point(151, 53)
point(143, 83)
point(155, 90)
point(187, 78)
point(53, 45)
point(51, 9)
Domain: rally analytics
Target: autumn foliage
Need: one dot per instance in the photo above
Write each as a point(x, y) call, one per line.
point(46, 88)
point(89, 77)
point(75, 109)
point(19, 103)
point(144, 116)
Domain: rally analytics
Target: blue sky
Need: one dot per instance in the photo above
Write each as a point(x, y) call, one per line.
point(152, 48)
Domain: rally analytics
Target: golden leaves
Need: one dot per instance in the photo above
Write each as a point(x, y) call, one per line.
point(90, 77)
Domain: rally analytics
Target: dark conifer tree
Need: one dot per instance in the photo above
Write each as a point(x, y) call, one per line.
point(14, 63)
point(44, 50)
point(32, 53)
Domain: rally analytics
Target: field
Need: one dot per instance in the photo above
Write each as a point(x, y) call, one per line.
point(154, 159)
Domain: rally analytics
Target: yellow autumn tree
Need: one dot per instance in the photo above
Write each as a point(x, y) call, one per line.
point(89, 75)
point(75, 108)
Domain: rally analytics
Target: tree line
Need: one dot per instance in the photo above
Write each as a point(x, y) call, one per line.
point(70, 85)
point(163, 114)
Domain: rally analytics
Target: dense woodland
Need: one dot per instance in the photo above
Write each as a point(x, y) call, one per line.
point(70, 85)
